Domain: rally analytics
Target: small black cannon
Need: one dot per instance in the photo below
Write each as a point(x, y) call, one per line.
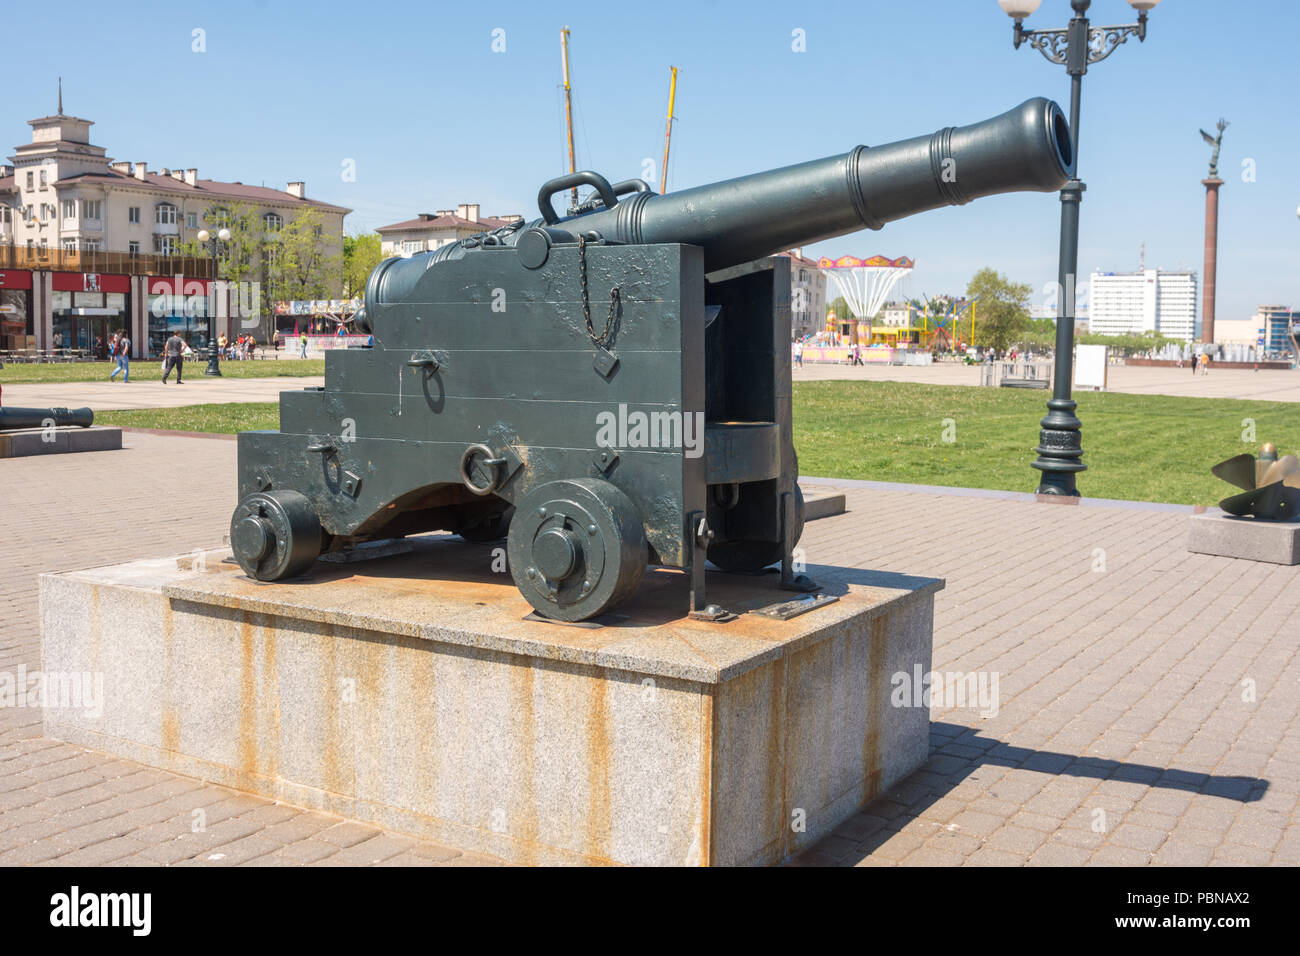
point(14, 418)
point(606, 389)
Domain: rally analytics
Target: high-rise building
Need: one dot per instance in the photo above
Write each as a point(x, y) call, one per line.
point(1153, 300)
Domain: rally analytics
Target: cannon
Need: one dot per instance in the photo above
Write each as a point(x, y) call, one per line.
point(606, 389)
point(15, 418)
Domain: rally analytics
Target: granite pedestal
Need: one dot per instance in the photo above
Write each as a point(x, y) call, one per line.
point(1253, 539)
point(410, 692)
point(59, 440)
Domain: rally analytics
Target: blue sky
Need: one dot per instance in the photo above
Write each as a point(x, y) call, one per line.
point(414, 94)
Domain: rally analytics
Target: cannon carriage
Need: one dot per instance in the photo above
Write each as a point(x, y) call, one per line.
point(605, 390)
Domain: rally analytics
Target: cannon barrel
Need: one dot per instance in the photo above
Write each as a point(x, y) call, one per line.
point(11, 418)
point(1027, 149)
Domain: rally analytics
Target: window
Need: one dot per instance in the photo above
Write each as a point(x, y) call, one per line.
point(42, 179)
point(92, 245)
point(133, 214)
point(165, 214)
point(272, 223)
point(133, 248)
point(69, 209)
point(91, 208)
point(220, 217)
point(165, 245)
point(192, 220)
point(69, 245)
point(30, 175)
point(411, 245)
point(5, 215)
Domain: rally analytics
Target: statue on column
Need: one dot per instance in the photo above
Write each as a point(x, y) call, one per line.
point(1217, 143)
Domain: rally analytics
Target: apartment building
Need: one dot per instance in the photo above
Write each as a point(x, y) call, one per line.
point(87, 233)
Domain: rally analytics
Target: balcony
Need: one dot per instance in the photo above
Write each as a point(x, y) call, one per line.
point(120, 263)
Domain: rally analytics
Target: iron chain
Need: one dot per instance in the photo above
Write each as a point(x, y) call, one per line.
point(605, 336)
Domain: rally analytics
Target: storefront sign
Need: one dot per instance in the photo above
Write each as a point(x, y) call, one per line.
point(15, 279)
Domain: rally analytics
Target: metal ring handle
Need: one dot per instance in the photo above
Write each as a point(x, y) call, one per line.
point(584, 178)
point(495, 463)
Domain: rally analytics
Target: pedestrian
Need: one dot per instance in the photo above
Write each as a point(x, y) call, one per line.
point(251, 345)
point(798, 353)
point(304, 345)
point(1205, 365)
point(174, 357)
point(123, 357)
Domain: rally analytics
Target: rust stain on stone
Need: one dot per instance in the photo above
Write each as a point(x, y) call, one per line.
point(525, 776)
point(877, 700)
point(599, 792)
point(333, 693)
point(270, 695)
point(708, 754)
point(246, 746)
point(170, 732)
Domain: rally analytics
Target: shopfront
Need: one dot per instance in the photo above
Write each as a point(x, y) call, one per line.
point(180, 306)
point(87, 309)
point(17, 331)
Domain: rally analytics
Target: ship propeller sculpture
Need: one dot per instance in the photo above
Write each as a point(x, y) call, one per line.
point(1272, 485)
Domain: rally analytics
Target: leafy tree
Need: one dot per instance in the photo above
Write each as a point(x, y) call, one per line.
point(841, 309)
point(360, 256)
point(303, 265)
point(1002, 309)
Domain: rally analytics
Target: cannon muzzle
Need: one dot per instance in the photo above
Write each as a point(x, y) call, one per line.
point(13, 418)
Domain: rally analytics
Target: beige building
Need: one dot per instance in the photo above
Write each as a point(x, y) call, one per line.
point(66, 208)
point(807, 295)
point(429, 231)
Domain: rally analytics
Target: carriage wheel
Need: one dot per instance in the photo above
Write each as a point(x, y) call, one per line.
point(275, 535)
point(577, 548)
point(746, 557)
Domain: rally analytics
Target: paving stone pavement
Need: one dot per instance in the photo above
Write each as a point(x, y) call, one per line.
point(1146, 710)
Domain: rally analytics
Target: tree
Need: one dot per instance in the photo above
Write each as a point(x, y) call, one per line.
point(1002, 309)
point(303, 263)
point(360, 256)
point(841, 309)
point(241, 261)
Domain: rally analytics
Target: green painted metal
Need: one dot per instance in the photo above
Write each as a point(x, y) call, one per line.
point(630, 362)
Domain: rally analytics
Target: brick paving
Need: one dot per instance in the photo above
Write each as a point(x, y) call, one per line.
point(1147, 706)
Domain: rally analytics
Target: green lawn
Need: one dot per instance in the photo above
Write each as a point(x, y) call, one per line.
point(13, 374)
point(1138, 447)
point(224, 419)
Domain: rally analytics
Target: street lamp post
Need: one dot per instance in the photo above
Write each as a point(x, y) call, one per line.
point(1060, 453)
point(214, 353)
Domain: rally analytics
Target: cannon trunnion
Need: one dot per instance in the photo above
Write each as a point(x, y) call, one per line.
point(584, 389)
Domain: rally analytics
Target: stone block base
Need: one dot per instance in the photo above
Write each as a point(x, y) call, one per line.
point(409, 692)
point(1277, 542)
point(38, 441)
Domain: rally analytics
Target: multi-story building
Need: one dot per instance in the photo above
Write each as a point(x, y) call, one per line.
point(1278, 326)
point(428, 230)
point(807, 295)
point(91, 239)
point(1152, 300)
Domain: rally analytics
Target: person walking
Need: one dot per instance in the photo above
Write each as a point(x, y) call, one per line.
point(1195, 358)
point(303, 339)
point(798, 353)
point(174, 357)
point(123, 357)
point(1205, 365)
